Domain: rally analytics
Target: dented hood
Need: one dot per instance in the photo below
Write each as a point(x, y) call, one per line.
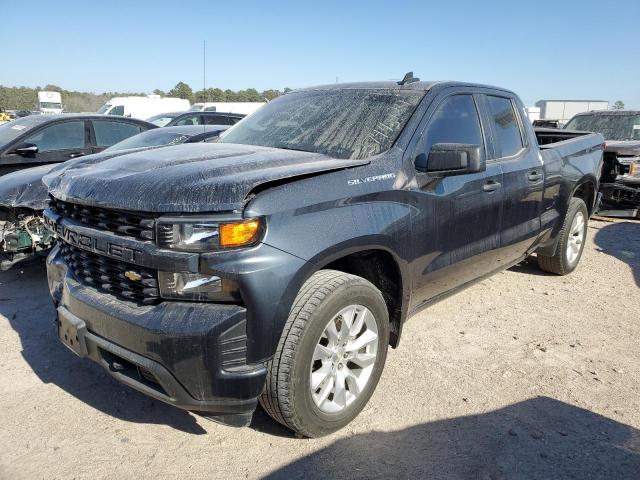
point(24, 188)
point(184, 178)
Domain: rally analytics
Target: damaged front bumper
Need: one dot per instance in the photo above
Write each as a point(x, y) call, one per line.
point(23, 235)
point(189, 355)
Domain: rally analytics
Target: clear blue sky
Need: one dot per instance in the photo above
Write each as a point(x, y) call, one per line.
point(541, 49)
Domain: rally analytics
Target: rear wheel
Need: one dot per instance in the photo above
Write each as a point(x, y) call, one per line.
point(571, 241)
point(330, 356)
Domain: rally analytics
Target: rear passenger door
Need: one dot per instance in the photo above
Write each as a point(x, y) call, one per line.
point(523, 175)
point(109, 132)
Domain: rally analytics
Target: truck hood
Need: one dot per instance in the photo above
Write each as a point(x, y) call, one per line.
point(626, 147)
point(184, 178)
point(25, 189)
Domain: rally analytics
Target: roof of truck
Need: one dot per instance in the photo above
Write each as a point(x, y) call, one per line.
point(392, 85)
point(610, 112)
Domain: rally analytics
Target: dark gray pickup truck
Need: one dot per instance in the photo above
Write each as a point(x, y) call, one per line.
point(277, 265)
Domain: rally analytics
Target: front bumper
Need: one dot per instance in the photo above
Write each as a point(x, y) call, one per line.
point(190, 355)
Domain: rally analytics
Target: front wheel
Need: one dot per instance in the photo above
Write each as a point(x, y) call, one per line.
point(571, 240)
point(330, 356)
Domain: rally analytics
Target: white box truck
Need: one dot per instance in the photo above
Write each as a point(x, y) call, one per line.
point(564, 110)
point(49, 103)
point(143, 107)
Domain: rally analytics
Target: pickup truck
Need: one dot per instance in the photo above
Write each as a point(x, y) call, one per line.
point(620, 180)
point(278, 264)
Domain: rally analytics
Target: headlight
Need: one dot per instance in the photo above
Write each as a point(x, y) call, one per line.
point(196, 287)
point(194, 236)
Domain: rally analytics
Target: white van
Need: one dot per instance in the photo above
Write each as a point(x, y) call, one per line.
point(246, 108)
point(143, 107)
point(49, 103)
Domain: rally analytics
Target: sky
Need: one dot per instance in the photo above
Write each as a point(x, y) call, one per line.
point(562, 49)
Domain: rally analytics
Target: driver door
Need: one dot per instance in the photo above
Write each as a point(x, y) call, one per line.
point(457, 227)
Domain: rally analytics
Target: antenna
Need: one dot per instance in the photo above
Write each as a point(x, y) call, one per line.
point(408, 78)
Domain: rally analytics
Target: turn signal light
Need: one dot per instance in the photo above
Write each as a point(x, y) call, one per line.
point(239, 234)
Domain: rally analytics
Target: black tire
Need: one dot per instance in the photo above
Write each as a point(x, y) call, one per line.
point(559, 263)
point(287, 396)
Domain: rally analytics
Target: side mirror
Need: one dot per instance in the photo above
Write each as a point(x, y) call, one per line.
point(26, 149)
point(451, 159)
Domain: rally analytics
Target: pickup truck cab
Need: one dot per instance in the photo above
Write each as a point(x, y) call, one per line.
point(278, 264)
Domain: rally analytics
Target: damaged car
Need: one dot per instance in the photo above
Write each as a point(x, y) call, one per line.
point(23, 196)
point(280, 263)
point(620, 181)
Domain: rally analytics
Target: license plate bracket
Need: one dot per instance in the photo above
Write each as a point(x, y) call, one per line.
point(71, 332)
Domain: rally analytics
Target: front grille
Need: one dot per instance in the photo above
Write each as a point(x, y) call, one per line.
point(108, 275)
point(136, 225)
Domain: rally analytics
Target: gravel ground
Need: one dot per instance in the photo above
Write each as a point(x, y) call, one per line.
point(525, 375)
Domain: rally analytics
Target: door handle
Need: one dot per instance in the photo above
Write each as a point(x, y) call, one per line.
point(534, 176)
point(77, 154)
point(491, 186)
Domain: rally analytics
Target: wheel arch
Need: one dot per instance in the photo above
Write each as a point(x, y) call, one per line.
point(379, 265)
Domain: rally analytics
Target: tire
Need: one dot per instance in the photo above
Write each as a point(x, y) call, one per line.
point(288, 396)
point(567, 257)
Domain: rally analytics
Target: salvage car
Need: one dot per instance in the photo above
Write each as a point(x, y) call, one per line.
point(23, 196)
point(38, 139)
point(620, 182)
point(278, 264)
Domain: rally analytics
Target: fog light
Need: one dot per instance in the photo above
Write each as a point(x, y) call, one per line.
point(189, 286)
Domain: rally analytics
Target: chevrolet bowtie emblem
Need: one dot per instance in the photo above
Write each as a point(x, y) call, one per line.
point(133, 276)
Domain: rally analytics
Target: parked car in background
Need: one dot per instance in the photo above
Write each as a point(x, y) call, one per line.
point(23, 196)
point(143, 107)
point(38, 139)
point(278, 264)
point(206, 118)
point(23, 113)
point(5, 116)
point(246, 108)
point(620, 183)
point(547, 123)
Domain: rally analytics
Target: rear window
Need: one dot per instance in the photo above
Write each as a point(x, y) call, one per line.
point(505, 125)
point(342, 123)
point(150, 138)
point(110, 133)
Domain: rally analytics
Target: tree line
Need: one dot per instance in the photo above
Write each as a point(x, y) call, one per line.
point(25, 98)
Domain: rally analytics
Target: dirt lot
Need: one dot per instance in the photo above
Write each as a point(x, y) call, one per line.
point(525, 375)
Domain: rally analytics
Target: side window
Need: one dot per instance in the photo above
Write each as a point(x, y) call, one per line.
point(109, 133)
point(455, 121)
point(190, 120)
point(61, 136)
point(505, 125)
point(119, 110)
point(219, 120)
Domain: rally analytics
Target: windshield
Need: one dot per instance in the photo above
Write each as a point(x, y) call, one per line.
point(50, 105)
point(104, 108)
point(150, 138)
point(612, 127)
point(196, 107)
point(345, 123)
